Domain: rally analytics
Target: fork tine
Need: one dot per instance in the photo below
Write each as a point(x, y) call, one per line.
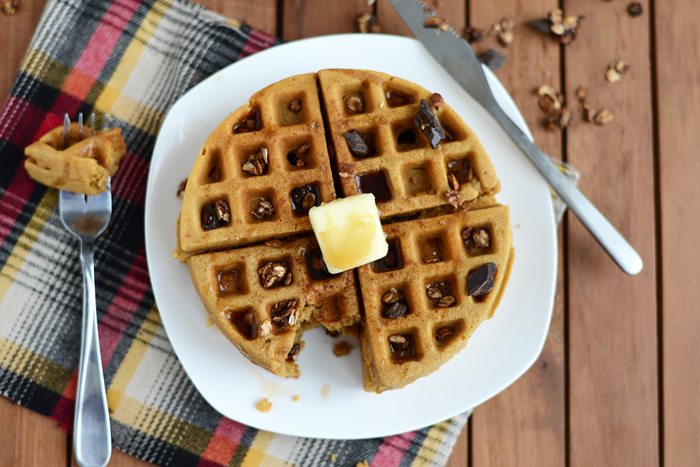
point(92, 124)
point(106, 122)
point(80, 126)
point(66, 132)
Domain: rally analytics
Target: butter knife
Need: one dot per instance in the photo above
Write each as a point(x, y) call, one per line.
point(458, 59)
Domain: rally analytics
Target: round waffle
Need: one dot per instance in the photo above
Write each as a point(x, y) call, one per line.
point(296, 144)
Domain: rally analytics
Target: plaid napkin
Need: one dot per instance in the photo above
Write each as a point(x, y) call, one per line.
point(130, 59)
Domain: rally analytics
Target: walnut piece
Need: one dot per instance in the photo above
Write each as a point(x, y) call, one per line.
point(274, 273)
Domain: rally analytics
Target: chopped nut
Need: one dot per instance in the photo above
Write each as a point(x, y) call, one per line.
point(446, 301)
point(493, 59)
point(550, 100)
point(392, 296)
point(297, 157)
point(473, 35)
point(589, 112)
point(621, 67)
point(265, 328)
point(433, 291)
point(398, 339)
point(557, 24)
point(432, 258)
point(452, 180)
point(560, 118)
point(365, 23)
point(295, 106)
point(9, 7)
point(354, 104)
point(437, 100)
point(481, 238)
point(395, 310)
point(452, 197)
point(434, 22)
point(582, 94)
point(444, 333)
point(603, 117)
point(256, 164)
point(504, 29)
point(263, 210)
point(181, 188)
point(309, 200)
point(344, 174)
point(282, 313)
point(222, 211)
point(634, 9)
point(274, 243)
point(467, 233)
point(273, 273)
point(294, 353)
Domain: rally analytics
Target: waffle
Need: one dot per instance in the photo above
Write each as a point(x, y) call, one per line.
point(257, 191)
point(83, 167)
point(359, 133)
point(402, 170)
point(242, 289)
point(435, 320)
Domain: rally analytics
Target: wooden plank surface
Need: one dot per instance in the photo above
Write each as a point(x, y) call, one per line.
point(27, 438)
point(524, 425)
point(309, 18)
point(678, 94)
point(612, 333)
point(608, 375)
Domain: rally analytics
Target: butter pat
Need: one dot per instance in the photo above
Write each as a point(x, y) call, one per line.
point(348, 232)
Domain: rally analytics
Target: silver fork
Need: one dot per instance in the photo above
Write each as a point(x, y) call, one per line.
point(86, 217)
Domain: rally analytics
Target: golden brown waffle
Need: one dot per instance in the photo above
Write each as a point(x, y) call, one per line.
point(273, 121)
point(406, 333)
point(84, 166)
point(435, 320)
point(404, 172)
point(231, 286)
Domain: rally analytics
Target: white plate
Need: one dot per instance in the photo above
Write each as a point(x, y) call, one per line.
point(332, 403)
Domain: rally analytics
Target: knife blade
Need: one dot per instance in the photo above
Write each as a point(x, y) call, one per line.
point(458, 59)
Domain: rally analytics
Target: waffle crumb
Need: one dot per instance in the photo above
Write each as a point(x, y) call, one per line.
point(364, 463)
point(333, 456)
point(263, 405)
point(342, 348)
point(295, 398)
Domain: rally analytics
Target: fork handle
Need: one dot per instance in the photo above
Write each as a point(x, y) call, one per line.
point(609, 238)
point(92, 438)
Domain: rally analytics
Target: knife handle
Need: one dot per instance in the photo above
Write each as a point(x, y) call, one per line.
point(609, 238)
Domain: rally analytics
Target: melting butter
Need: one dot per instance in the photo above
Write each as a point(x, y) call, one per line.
point(349, 232)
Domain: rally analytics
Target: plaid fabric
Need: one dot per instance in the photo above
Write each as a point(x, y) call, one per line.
point(132, 60)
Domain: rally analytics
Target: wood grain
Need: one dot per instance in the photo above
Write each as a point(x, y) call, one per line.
point(613, 397)
point(525, 425)
point(260, 14)
point(309, 18)
point(27, 438)
point(678, 94)
point(452, 11)
point(15, 33)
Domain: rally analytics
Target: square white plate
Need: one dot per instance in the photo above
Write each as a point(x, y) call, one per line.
point(332, 402)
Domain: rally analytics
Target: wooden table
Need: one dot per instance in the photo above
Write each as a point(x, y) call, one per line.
point(618, 382)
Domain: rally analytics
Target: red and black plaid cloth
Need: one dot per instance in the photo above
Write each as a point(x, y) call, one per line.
point(132, 60)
